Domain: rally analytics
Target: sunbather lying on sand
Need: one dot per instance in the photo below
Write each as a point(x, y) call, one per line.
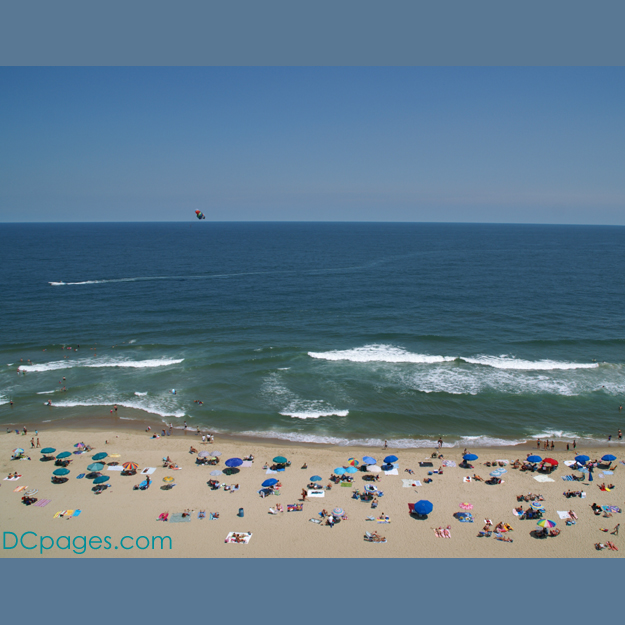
point(477, 477)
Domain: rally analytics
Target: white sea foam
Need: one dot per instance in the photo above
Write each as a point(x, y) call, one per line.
point(138, 394)
point(379, 353)
point(45, 392)
point(152, 407)
point(100, 363)
point(290, 405)
point(388, 353)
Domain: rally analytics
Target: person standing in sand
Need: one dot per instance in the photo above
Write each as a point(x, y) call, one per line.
point(304, 494)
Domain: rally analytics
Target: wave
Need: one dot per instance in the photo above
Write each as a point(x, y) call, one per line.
point(398, 443)
point(392, 354)
point(138, 394)
point(149, 407)
point(291, 405)
point(45, 392)
point(70, 364)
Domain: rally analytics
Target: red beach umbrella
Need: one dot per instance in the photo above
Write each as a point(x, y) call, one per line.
point(551, 461)
point(130, 466)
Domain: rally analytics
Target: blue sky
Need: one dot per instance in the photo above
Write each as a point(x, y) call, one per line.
point(526, 145)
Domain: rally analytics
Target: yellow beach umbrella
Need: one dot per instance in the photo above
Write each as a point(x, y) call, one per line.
point(168, 479)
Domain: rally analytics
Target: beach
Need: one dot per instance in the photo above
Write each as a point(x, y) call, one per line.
point(121, 511)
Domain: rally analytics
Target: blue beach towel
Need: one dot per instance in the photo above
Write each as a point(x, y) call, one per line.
point(567, 478)
point(79, 477)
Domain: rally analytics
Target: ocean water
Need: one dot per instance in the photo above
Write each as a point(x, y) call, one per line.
point(333, 332)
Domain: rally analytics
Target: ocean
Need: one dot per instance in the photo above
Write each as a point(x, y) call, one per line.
point(336, 333)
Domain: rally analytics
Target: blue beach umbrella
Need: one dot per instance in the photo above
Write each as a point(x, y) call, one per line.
point(536, 505)
point(469, 457)
point(315, 478)
point(100, 456)
point(339, 471)
point(390, 459)
point(60, 472)
point(96, 466)
point(534, 459)
point(101, 479)
point(423, 507)
point(496, 474)
point(48, 450)
point(369, 460)
point(270, 482)
point(63, 454)
point(234, 462)
point(609, 458)
point(351, 470)
point(280, 460)
point(582, 459)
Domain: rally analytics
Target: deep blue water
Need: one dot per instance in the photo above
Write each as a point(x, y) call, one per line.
point(321, 332)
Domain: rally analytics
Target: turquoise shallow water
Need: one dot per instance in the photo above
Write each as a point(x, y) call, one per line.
point(484, 334)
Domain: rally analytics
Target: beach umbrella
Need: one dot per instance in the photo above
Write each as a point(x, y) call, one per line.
point(582, 459)
point(466, 506)
point(280, 460)
point(215, 472)
point(374, 468)
point(130, 466)
point(534, 459)
point(19, 450)
point(339, 471)
point(536, 505)
point(351, 470)
point(234, 462)
point(369, 460)
point(270, 482)
point(316, 478)
point(609, 458)
point(338, 512)
point(31, 492)
point(391, 459)
point(551, 461)
point(60, 472)
point(96, 466)
point(100, 456)
point(352, 462)
point(204, 454)
point(48, 450)
point(423, 507)
point(63, 454)
point(78, 445)
point(468, 457)
point(168, 479)
point(101, 479)
point(546, 523)
point(495, 474)
point(215, 454)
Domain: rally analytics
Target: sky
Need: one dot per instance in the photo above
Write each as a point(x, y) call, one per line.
point(408, 144)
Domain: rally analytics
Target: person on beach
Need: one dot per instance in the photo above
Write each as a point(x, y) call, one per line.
point(385, 445)
point(574, 444)
point(538, 443)
point(304, 494)
point(615, 530)
point(32, 443)
point(552, 445)
point(620, 435)
point(38, 444)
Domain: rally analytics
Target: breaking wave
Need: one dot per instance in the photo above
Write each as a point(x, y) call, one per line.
point(150, 407)
point(70, 364)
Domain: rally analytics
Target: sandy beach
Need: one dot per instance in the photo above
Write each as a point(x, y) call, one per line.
point(122, 511)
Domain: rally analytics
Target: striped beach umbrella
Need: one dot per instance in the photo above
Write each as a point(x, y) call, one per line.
point(99, 456)
point(352, 462)
point(536, 505)
point(168, 479)
point(338, 512)
point(19, 450)
point(63, 454)
point(546, 523)
point(130, 466)
point(31, 492)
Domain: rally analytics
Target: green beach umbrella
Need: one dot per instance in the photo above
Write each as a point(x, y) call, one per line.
point(101, 479)
point(99, 456)
point(48, 450)
point(60, 472)
point(96, 466)
point(280, 460)
point(63, 454)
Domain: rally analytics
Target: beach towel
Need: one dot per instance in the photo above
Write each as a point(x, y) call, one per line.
point(384, 521)
point(583, 495)
point(569, 463)
point(563, 514)
point(608, 472)
point(42, 503)
point(201, 514)
point(12, 479)
point(449, 463)
point(19, 489)
point(59, 514)
point(295, 507)
point(466, 478)
point(543, 478)
point(410, 483)
point(391, 472)
point(148, 470)
point(244, 537)
point(315, 493)
point(347, 484)
point(247, 464)
point(178, 518)
point(269, 472)
point(115, 468)
point(315, 520)
point(567, 478)
point(504, 461)
point(212, 517)
point(79, 477)
point(77, 512)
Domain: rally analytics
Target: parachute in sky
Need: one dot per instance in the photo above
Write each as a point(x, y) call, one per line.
point(200, 215)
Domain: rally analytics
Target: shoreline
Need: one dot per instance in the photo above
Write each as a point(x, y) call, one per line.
point(99, 423)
